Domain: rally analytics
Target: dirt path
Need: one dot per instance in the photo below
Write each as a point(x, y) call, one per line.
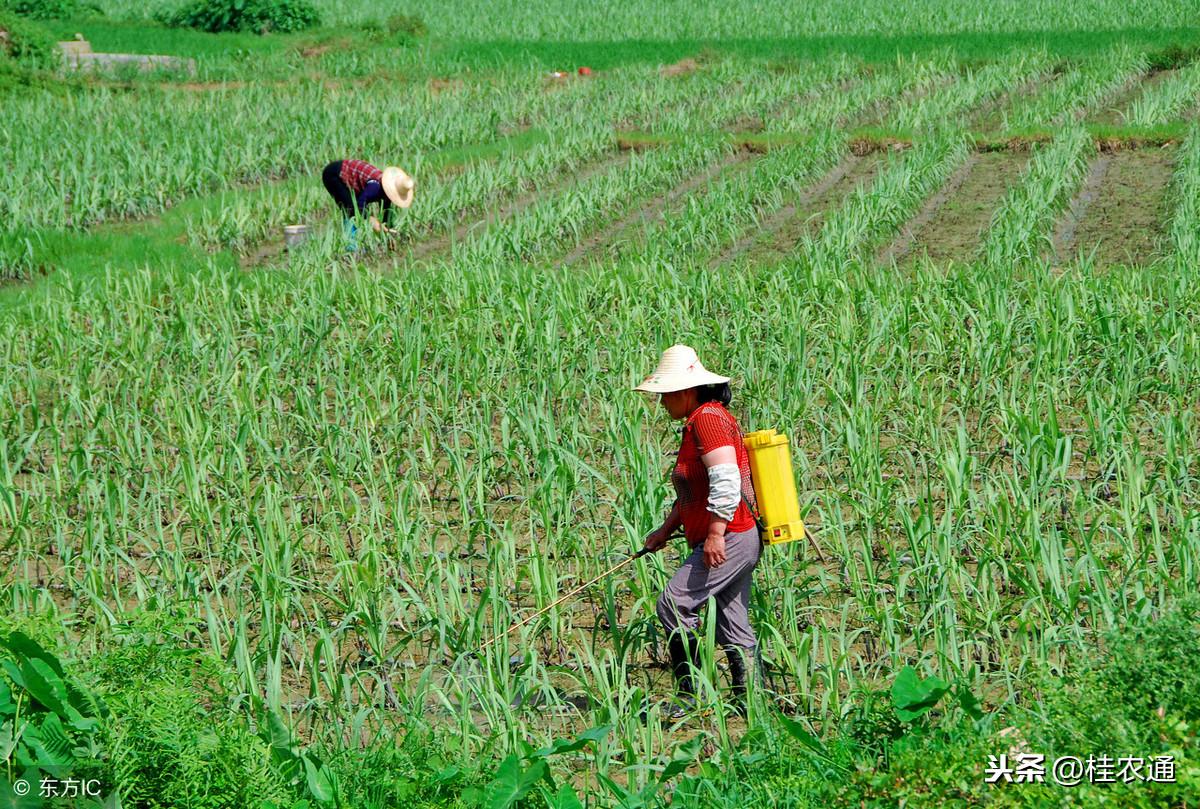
point(901, 246)
point(654, 209)
point(956, 228)
point(990, 116)
point(787, 212)
point(1113, 112)
point(808, 219)
point(1063, 241)
point(1127, 216)
point(441, 244)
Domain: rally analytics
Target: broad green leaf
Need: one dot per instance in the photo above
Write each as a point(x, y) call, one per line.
point(320, 780)
point(505, 788)
point(45, 685)
point(913, 697)
point(968, 702)
point(683, 757)
point(565, 798)
point(25, 648)
point(583, 740)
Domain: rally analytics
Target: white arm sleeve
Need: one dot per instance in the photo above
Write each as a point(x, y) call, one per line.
point(724, 489)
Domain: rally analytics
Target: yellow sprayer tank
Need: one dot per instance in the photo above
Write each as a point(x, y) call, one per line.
point(775, 487)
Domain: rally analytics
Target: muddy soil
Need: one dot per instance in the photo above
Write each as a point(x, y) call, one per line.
point(1127, 217)
point(955, 231)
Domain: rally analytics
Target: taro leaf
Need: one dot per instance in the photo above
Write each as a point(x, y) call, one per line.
point(8, 740)
point(24, 647)
point(683, 757)
point(320, 780)
point(45, 685)
point(970, 705)
point(7, 707)
point(9, 799)
point(565, 798)
point(564, 746)
point(914, 697)
point(49, 742)
point(511, 783)
point(280, 737)
point(14, 673)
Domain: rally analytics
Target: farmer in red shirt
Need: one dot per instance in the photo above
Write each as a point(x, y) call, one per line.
point(717, 510)
point(355, 184)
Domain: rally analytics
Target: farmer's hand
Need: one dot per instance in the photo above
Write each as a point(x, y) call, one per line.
point(657, 539)
point(377, 226)
point(714, 550)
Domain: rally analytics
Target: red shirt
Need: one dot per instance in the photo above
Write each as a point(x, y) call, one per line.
point(710, 426)
point(357, 173)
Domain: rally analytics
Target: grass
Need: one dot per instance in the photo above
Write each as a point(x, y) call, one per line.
point(275, 501)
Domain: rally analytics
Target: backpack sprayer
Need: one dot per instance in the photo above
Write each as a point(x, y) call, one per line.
point(778, 506)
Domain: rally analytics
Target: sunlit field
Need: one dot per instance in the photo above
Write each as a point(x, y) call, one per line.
point(267, 514)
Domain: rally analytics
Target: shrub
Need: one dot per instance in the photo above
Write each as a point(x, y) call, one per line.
point(260, 16)
point(25, 42)
point(50, 9)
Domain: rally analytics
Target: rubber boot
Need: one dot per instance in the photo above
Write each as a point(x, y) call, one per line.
point(742, 669)
point(684, 651)
point(351, 231)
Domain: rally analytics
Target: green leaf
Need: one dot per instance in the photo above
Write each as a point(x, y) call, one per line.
point(801, 734)
point(320, 779)
point(563, 746)
point(14, 673)
point(9, 799)
point(512, 783)
point(565, 798)
point(25, 648)
point(914, 697)
point(45, 685)
point(969, 704)
point(683, 757)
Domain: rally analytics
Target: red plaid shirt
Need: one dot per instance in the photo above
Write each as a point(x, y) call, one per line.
point(709, 427)
point(357, 173)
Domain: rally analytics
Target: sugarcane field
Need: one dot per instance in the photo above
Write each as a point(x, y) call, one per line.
point(599, 405)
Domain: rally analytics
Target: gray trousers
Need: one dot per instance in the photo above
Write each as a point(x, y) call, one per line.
point(728, 585)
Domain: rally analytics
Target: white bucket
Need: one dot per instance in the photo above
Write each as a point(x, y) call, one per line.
point(294, 235)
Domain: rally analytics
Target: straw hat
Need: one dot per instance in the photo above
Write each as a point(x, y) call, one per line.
point(398, 186)
point(679, 369)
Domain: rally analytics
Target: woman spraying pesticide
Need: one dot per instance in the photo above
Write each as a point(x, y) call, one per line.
point(716, 507)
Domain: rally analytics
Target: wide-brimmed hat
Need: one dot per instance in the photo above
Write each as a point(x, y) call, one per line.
point(398, 186)
point(679, 369)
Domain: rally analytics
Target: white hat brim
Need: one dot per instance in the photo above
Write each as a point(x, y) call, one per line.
point(676, 382)
point(398, 186)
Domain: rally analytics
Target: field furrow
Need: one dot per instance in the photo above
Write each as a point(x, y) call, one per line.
point(1063, 241)
point(902, 245)
point(783, 235)
point(956, 231)
point(629, 233)
point(1127, 219)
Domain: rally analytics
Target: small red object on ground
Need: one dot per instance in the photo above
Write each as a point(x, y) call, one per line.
point(585, 71)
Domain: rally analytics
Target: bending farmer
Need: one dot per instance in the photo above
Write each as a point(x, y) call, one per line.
point(355, 184)
point(716, 507)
